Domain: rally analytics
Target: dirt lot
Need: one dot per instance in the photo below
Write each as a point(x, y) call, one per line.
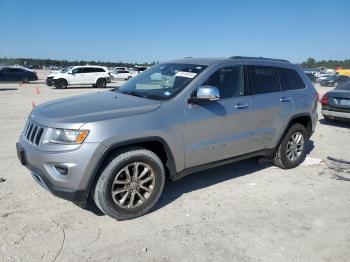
point(247, 211)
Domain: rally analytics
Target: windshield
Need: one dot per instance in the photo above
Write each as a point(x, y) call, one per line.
point(65, 70)
point(162, 81)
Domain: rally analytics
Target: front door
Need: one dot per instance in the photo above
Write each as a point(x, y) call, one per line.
point(219, 130)
point(77, 76)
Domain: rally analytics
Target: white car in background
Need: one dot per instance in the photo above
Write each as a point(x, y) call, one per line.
point(122, 74)
point(323, 77)
point(97, 76)
point(119, 68)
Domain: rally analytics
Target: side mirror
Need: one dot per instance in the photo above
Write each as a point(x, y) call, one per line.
point(205, 94)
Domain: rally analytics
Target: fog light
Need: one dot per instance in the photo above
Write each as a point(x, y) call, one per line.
point(62, 170)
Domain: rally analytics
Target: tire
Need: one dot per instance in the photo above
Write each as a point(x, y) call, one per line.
point(101, 83)
point(129, 77)
point(113, 205)
point(285, 159)
point(327, 119)
point(62, 84)
point(25, 80)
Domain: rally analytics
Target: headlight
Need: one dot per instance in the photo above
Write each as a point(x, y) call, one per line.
point(68, 136)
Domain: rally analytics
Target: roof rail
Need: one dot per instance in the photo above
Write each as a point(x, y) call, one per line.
point(259, 58)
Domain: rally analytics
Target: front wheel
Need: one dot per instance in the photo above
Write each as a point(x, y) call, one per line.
point(62, 84)
point(130, 184)
point(291, 151)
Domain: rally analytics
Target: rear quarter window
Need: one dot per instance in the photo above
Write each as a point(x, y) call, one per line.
point(290, 79)
point(98, 69)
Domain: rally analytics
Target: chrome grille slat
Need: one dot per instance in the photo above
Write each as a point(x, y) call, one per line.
point(33, 132)
point(38, 135)
point(31, 139)
point(29, 131)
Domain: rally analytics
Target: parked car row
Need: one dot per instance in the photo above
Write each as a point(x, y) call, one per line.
point(327, 77)
point(333, 80)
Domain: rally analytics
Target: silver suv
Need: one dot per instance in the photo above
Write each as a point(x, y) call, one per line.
point(115, 148)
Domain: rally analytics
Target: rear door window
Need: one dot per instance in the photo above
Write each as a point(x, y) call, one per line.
point(263, 80)
point(290, 79)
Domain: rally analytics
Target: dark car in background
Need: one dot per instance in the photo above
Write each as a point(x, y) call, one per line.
point(334, 80)
point(17, 74)
point(312, 77)
point(336, 103)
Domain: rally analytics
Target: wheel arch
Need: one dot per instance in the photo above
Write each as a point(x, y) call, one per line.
point(155, 144)
point(100, 77)
point(64, 79)
point(304, 119)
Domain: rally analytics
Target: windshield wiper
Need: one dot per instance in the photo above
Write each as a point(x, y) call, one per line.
point(133, 93)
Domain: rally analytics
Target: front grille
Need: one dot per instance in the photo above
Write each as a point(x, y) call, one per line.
point(33, 132)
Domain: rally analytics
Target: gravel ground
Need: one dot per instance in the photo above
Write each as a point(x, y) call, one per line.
point(247, 211)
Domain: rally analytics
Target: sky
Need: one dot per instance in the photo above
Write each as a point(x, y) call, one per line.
point(160, 30)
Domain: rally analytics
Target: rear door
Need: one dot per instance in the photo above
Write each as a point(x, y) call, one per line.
point(271, 108)
point(293, 87)
point(220, 129)
point(90, 74)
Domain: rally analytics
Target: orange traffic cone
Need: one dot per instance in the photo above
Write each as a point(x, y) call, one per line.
point(33, 104)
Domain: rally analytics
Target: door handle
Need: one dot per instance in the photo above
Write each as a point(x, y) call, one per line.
point(241, 106)
point(285, 99)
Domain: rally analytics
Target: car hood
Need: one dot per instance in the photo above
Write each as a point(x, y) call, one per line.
point(59, 75)
point(75, 111)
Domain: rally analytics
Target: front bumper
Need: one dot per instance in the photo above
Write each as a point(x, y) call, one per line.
point(72, 185)
point(49, 81)
point(336, 114)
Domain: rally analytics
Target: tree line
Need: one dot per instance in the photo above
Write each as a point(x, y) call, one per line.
point(37, 63)
point(312, 63)
point(40, 63)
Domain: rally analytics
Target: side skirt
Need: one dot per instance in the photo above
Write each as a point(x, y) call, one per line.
point(187, 171)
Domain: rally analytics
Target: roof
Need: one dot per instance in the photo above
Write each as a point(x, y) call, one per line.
point(211, 61)
point(87, 66)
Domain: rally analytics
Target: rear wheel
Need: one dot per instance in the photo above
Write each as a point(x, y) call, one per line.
point(101, 83)
point(25, 80)
point(130, 184)
point(291, 151)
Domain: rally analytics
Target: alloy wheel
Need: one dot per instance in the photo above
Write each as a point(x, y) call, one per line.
point(133, 185)
point(295, 146)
